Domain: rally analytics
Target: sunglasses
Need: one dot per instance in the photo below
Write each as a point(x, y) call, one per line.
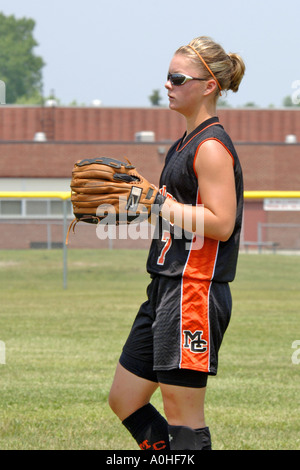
point(178, 79)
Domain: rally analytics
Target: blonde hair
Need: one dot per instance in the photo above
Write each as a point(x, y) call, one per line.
point(227, 69)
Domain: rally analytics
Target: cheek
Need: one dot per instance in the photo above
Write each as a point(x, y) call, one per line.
point(194, 98)
point(187, 99)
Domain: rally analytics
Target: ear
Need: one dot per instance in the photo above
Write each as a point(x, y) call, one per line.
point(211, 87)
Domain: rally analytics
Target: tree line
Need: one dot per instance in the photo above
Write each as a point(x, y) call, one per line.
point(22, 70)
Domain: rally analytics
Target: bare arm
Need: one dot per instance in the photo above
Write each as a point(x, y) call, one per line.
point(214, 167)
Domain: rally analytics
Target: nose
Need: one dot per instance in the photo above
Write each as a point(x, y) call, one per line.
point(168, 84)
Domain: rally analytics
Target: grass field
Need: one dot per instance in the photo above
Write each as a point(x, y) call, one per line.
point(61, 348)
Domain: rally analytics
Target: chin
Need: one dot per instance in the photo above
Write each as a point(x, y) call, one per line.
point(173, 106)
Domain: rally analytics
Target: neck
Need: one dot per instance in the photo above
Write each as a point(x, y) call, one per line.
point(193, 121)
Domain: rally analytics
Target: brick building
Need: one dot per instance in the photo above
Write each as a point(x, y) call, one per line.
point(120, 124)
point(260, 137)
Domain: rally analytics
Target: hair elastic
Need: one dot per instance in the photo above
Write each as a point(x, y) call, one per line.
point(208, 68)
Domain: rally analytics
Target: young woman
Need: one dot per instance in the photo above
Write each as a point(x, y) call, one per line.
point(176, 336)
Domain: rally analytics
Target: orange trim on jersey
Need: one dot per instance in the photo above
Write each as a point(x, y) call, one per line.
point(201, 262)
point(196, 280)
point(195, 343)
point(213, 124)
point(195, 290)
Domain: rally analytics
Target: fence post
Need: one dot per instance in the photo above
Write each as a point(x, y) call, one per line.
point(2, 352)
point(49, 237)
point(65, 229)
point(259, 236)
point(2, 92)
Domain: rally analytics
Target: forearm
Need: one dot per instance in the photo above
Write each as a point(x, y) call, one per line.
point(197, 219)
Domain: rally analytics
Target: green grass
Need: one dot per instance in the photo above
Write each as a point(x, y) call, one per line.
point(62, 347)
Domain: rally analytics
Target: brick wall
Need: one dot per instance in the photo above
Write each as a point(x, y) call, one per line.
point(20, 235)
point(121, 124)
point(265, 167)
point(270, 167)
point(56, 160)
point(88, 124)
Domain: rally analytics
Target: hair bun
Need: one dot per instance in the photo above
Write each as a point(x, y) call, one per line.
point(238, 71)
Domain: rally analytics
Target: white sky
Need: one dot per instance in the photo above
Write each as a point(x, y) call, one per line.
point(119, 51)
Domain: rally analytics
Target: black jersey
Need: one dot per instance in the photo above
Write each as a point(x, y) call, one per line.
point(177, 255)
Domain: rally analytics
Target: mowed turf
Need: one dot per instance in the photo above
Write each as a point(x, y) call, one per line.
point(61, 348)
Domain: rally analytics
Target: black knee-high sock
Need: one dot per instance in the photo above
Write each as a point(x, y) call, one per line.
point(149, 428)
point(185, 438)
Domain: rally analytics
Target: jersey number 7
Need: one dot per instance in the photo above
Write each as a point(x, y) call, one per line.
point(166, 238)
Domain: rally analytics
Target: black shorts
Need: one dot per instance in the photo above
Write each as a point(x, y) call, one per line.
point(182, 377)
point(178, 331)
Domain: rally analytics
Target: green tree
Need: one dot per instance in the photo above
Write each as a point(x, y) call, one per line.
point(223, 104)
point(251, 104)
point(288, 102)
point(155, 98)
point(20, 68)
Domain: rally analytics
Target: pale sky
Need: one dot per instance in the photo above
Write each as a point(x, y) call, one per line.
point(119, 51)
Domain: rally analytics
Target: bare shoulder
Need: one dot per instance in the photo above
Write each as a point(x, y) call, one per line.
point(212, 155)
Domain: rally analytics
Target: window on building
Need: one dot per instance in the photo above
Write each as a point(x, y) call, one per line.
point(11, 208)
point(36, 208)
point(33, 208)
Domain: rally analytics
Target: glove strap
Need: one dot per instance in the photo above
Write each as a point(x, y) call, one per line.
point(158, 203)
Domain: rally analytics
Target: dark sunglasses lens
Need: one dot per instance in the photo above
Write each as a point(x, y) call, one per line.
point(176, 79)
